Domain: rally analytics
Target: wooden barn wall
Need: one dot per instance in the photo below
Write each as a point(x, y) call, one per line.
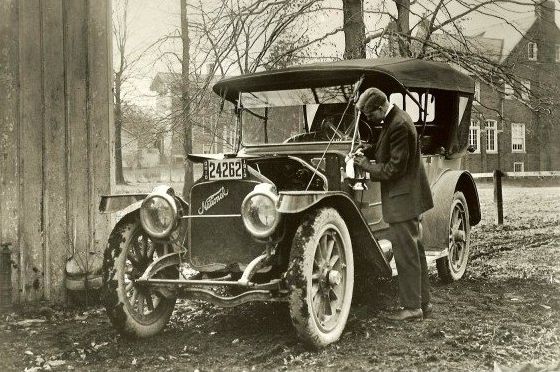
point(9, 125)
point(54, 138)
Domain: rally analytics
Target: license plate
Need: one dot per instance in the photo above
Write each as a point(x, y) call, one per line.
point(226, 169)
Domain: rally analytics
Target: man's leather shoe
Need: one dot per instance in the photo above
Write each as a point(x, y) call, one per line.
point(427, 310)
point(406, 314)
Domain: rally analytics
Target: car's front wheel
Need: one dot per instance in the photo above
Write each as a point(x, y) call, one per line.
point(321, 277)
point(135, 311)
point(453, 266)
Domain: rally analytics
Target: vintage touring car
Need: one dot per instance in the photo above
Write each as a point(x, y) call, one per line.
point(286, 217)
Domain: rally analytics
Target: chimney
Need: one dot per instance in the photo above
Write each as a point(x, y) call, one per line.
point(544, 11)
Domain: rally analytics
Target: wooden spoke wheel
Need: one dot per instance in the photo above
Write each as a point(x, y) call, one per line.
point(321, 278)
point(134, 310)
point(452, 267)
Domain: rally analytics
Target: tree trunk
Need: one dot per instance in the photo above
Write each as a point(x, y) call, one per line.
point(354, 29)
point(119, 176)
point(403, 26)
point(185, 100)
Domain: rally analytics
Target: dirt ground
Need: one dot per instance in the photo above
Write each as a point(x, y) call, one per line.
point(506, 312)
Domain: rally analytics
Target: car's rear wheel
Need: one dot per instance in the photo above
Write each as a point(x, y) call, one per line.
point(453, 266)
point(321, 278)
point(135, 311)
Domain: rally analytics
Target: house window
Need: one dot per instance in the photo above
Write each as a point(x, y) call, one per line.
point(474, 136)
point(476, 91)
point(491, 136)
point(508, 91)
point(518, 166)
point(532, 51)
point(525, 90)
point(557, 54)
point(517, 137)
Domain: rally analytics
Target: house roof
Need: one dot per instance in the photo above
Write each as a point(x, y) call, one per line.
point(510, 33)
point(489, 47)
point(412, 73)
point(495, 42)
point(164, 80)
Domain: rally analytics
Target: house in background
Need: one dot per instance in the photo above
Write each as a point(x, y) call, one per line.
point(516, 127)
point(213, 128)
point(136, 153)
point(167, 86)
point(510, 128)
point(141, 138)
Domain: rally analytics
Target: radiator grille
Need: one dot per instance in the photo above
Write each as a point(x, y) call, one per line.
point(220, 243)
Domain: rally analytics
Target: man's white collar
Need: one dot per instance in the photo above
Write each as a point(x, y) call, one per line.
point(388, 110)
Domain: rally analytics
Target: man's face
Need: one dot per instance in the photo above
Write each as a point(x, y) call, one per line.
point(374, 115)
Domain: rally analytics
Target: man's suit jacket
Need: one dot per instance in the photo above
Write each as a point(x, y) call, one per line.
point(405, 190)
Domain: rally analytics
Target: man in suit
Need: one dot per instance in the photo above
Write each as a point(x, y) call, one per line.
point(405, 195)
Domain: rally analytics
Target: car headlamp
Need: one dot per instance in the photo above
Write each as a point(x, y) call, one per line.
point(259, 212)
point(158, 213)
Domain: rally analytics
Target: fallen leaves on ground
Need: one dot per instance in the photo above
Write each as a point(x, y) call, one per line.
point(502, 315)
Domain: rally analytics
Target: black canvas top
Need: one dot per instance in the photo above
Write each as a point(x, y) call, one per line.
point(412, 73)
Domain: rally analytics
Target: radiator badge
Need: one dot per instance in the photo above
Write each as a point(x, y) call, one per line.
point(213, 199)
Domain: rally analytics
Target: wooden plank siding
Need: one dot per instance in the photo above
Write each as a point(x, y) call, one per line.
point(55, 184)
point(55, 133)
point(77, 126)
point(30, 152)
point(99, 57)
point(9, 129)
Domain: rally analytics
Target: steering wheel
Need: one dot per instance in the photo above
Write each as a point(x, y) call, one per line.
point(329, 127)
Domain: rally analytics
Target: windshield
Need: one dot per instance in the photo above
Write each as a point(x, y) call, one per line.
point(297, 115)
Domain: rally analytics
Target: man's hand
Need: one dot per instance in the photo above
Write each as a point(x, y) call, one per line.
point(363, 147)
point(362, 162)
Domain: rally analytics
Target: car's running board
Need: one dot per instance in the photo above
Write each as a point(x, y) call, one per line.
point(431, 257)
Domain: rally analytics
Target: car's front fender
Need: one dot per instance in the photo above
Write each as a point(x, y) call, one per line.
point(367, 252)
point(115, 203)
point(290, 202)
point(127, 203)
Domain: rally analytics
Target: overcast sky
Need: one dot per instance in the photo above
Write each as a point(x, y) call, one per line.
point(150, 20)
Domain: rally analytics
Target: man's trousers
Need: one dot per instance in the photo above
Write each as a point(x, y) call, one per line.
point(414, 286)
